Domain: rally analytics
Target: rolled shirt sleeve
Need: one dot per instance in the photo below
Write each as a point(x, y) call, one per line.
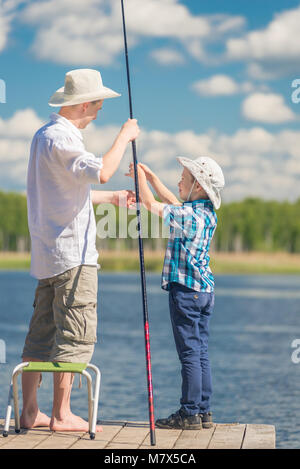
point(87, 168)
point(84, 166)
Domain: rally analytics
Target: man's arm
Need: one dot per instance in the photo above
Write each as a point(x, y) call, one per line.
point(122, 198)
point(112, 158)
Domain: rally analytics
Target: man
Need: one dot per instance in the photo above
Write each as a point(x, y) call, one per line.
point(63, 234)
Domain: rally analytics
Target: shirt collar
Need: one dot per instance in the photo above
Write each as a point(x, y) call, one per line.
point(62, 120)
point(206, 202)
point(198, 201)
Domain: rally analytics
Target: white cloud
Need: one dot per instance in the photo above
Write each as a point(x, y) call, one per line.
point(256, 162)
point(166, 56)
point(227, 24)
point(20, 125)
point(274, 50)
point(90, 32)
point(4, 30)
point(7, 13)
point(267, 108)
point(15, 137)
point(221, 85)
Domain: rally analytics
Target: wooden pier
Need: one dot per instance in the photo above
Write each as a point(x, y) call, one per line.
point(135, 435)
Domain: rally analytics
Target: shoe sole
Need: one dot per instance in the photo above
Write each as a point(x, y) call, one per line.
point(169, 427)
point(207, 425)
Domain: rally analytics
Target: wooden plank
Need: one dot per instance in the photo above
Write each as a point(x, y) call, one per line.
point(102, 439)
point(195, 439)
point(11, 434)
point(28, 439)
point(259, 437)
point(60, 440)
point(130, 436)
point(227, 436)
point(165, 439)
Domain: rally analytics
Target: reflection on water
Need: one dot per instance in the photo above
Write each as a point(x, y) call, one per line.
point(255, 321)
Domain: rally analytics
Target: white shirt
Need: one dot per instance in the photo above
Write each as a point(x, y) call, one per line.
point(60, 212)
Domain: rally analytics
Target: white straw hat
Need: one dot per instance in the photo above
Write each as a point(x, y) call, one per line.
point(209, 175)
point(81, 86)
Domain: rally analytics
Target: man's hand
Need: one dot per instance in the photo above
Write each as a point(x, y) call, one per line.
point(130, 130)
point(124, 198)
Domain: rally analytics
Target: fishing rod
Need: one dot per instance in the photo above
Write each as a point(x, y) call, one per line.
point(141, 252)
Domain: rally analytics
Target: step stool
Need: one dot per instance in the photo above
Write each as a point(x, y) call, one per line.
point(54, 367)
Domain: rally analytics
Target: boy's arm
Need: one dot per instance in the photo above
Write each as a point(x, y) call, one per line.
point(146, 195)
point(161, 190)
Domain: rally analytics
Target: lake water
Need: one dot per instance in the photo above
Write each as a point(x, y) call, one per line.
point(255, 321)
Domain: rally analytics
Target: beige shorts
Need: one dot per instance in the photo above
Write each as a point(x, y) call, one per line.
point(63, 326)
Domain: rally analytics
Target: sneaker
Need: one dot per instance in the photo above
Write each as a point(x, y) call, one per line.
point(207, 421)
point(181, 421)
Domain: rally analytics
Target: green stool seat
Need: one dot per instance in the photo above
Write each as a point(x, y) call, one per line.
point(54, 367)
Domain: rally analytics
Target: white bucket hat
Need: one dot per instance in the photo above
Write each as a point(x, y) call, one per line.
point(81, 86)
point(209, 175)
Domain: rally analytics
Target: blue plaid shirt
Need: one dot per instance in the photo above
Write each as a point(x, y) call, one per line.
point(192, 226)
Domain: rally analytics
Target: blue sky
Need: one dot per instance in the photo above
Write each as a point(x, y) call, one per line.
point(207, 77)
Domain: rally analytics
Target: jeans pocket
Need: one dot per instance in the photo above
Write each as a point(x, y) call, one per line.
point(193, 303)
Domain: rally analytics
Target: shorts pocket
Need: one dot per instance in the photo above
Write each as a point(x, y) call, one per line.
point(77, 309)
point(82, 289)
point(80, 323)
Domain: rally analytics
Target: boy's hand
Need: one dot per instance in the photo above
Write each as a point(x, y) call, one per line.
point(124, 198)
point(141, 173)
point(149, 174)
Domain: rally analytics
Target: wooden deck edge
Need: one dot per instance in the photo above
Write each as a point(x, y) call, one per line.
point(121, 434)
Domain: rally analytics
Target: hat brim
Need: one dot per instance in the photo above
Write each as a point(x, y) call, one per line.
point(59, 98)
point(213, 194)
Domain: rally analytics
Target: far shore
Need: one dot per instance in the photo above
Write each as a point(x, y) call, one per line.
point(221, 262)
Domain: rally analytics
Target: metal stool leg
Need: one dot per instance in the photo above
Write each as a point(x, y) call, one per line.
point(90, 397)
point(8, 411)
point(13, 395)
point(95, 399)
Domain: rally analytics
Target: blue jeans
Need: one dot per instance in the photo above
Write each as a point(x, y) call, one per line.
point(190, 314)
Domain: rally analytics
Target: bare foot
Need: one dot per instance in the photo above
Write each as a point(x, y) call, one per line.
point(71, 423)
point(34, 419)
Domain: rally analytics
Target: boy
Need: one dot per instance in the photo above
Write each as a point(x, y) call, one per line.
point(188, 278)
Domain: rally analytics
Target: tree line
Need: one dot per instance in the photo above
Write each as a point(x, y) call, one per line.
point(249, 225)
